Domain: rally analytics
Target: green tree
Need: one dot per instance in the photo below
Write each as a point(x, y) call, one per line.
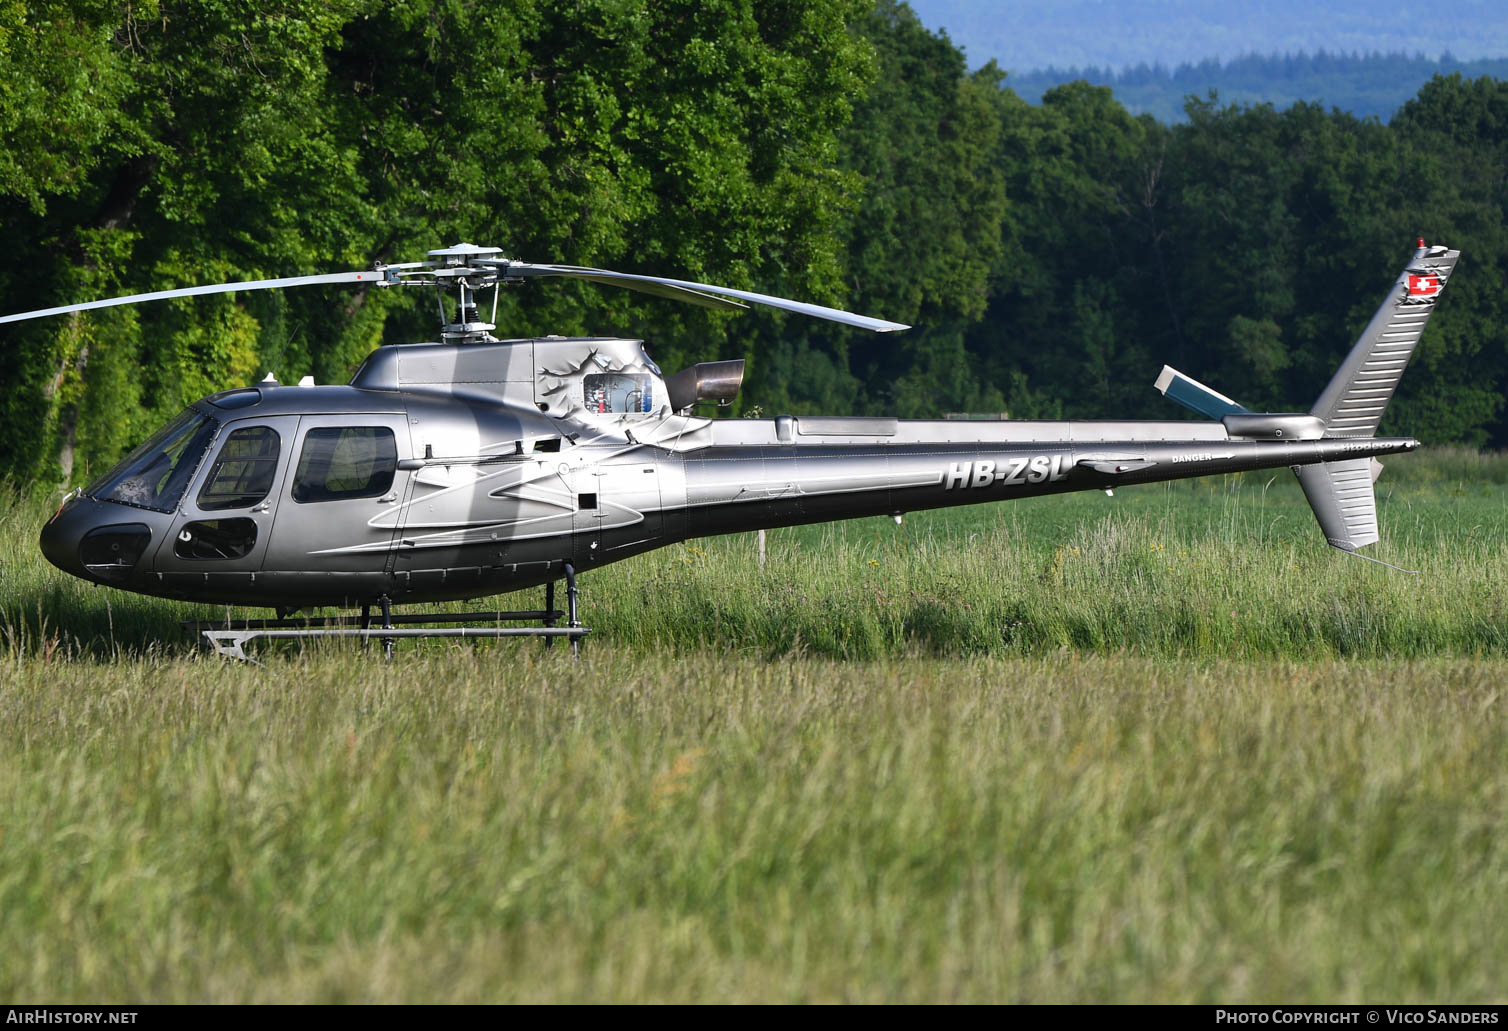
point(1064, 329)
point(208, 111)
point(920, 244)
point(1456, 188)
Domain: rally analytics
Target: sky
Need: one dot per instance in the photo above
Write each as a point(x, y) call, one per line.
point(1022, 36)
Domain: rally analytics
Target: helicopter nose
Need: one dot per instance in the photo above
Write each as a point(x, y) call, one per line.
point(88, 539)
point(60, 538)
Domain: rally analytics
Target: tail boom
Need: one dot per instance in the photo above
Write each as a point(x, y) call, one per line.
point(817, 482)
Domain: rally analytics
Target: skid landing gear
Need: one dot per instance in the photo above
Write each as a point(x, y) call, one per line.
point(229, 637)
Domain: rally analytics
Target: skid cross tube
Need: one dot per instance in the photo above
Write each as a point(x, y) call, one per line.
point(550, 615)
point(572, 623)
point(387, 623)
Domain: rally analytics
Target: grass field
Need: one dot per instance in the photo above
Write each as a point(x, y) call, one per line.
point(1160, 747)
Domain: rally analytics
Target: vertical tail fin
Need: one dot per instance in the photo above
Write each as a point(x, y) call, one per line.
point(1353, 403)
point(1341, 493)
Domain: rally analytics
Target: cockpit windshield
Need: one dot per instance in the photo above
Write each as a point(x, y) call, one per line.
point(156, 474)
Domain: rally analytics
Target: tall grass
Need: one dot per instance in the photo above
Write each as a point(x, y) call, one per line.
point(1232, 567)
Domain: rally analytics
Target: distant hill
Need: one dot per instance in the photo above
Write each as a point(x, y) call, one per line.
point(1363, 84)
point(1022, 36)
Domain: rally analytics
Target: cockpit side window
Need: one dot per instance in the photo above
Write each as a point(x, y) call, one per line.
point(341, 462)
point(617, 392)
point(243, 470)
point(156, 474)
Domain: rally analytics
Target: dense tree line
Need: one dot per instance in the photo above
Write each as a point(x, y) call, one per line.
point(1051, 256)
point(1367, 85)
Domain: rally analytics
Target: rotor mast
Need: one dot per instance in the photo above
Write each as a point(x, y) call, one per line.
point(453, 267)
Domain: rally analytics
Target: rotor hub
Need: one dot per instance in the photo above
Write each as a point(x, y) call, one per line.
point(462, 254)
point(455, 272)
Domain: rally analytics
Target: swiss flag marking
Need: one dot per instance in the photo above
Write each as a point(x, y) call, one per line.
point(1424, 286)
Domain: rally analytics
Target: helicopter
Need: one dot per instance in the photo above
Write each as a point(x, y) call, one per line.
point(476, 465)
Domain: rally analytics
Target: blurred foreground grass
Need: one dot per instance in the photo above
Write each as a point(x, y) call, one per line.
point(497, 824)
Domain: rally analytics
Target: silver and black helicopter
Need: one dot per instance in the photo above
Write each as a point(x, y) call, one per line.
point(475, 465)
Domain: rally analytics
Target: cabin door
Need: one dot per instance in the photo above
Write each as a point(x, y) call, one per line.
point(343, 498)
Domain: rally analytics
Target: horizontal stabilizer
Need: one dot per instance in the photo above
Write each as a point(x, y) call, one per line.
point(1192, 394)
point(1114, 467)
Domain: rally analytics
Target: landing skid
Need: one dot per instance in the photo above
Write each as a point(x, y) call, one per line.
point(229, 637)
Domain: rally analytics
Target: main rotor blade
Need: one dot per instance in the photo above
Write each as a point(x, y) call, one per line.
point(376, 276)
point(656, 284)
point(674, 293)
point(523, 270)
